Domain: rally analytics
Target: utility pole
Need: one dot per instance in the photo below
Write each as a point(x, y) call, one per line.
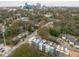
point(3, 30)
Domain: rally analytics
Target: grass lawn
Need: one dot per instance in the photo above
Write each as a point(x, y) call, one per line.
point(26, 50)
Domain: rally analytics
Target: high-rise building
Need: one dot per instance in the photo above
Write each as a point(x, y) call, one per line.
point(38, 5)
point(27, 6)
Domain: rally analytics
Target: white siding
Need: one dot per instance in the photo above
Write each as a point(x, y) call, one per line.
point(47, 48)
point(40, 46)
point(72, 43)
point(63, 37)
point(76, 46)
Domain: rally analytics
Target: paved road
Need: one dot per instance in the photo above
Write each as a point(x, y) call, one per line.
point(25, 41)
point(19, 44)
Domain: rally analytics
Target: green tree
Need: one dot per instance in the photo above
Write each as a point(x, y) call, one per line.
point(54, 32)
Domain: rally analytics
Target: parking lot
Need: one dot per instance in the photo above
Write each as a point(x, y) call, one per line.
point(4, 49)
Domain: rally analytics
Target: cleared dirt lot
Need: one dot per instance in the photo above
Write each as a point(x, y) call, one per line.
point(74, 53)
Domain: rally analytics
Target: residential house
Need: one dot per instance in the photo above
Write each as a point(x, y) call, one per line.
point(41, 45)
point(47, 46)
point(69, 38)
point(77, 45)
point(23, 18)
point(63, 49)
point(72, 40)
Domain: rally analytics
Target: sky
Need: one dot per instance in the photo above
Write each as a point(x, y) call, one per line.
point(47, 3)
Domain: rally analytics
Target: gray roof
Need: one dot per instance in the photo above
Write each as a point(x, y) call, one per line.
point(76, 43)
point(70, 37)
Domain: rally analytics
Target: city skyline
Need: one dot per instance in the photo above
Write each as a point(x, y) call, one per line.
point(47, 3)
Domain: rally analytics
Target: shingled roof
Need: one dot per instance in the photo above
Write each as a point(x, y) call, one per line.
point(71, 38)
